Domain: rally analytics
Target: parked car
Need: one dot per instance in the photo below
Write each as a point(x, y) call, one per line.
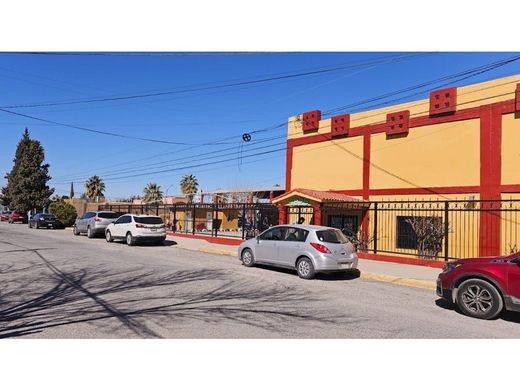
point(93, 223)
point(482, 287)
point(42, 220)
point(306, 248)
point(17, 217)
point(4, 216)
point(136, 228)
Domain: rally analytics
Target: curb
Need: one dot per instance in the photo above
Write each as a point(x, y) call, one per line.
point(222, 252)
point(417, 283)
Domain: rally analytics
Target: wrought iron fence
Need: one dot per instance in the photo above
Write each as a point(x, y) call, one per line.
point(426, 229)
point(240, 220)
point(431, 229)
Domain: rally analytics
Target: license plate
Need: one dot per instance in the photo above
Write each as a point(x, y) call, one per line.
point(49, 224)
point(153, 229)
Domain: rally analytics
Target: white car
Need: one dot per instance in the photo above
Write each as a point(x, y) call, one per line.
point(136, 228)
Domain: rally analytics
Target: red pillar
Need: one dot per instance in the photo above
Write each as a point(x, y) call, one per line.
point(317, 214)
point(282, 215)
point(490, 179)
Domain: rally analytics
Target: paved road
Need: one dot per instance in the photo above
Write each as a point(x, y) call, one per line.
point(56, 285)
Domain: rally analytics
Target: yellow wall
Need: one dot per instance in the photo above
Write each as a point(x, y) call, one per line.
point(326, 165)
point(510, 149)
point(440, 155)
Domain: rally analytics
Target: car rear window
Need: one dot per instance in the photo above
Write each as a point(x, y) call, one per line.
point(331, 236)
point(107, 215)
point(149, 220)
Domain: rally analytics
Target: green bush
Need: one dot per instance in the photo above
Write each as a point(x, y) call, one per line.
point(65, 212)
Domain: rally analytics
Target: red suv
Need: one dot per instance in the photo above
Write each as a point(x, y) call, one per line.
point(482, 287)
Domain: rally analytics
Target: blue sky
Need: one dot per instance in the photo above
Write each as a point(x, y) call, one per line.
point(194, 118)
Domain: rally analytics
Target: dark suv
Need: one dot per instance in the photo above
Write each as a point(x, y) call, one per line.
point(482, 287)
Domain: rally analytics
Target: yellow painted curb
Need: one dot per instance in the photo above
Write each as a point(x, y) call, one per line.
point(425, 284)
point(218, 251)
point(429, 285)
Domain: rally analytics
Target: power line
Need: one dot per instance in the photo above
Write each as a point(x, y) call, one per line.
point(86, 129)
point(141, 173)
point(464, 75)
point(221, 86)
point(167, 163)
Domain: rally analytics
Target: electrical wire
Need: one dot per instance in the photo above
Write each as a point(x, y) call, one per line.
point(221, 86)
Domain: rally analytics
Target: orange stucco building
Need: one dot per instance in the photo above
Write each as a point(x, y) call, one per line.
point(462, 143)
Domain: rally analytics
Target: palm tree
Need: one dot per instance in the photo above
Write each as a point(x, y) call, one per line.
point(152, 193)
point(94, 187)
point(189, 186)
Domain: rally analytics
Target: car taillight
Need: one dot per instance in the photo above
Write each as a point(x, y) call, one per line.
point(161, 227)
point(355, 247)
point(138, 225)
point(320, 248)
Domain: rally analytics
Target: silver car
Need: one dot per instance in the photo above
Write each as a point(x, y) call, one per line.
point(307, 248)
point(94, 223)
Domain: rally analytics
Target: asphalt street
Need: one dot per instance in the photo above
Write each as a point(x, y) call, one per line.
point(56, 285)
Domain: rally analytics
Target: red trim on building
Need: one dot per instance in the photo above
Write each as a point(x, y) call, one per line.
point(510, 188)
point(490, 177)
point(505, 107)
point(401, 260)
point(443, 101)
point(288, 166)
point(398, 122)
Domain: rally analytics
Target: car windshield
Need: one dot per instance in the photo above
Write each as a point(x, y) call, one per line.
point(107, 215)
point(332, 236)
point(149, 220)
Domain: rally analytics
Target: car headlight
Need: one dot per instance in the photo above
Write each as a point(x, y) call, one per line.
point(451, 265)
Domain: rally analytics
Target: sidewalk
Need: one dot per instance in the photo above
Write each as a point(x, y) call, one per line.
point(382, 271)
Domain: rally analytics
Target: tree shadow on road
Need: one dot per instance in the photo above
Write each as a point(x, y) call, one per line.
point(139, 303)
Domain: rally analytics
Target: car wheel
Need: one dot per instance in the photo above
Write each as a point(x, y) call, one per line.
point(90, 234)
point(480, 299)
point(130, 241)
point(247, 258)
point(75, 231)
point(108, 236)
point(305, 268)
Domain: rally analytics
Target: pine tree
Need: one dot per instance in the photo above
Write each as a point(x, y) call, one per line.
point(27, 187)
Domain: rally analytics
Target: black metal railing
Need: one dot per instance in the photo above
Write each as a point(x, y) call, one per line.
point(433, 229)
point(240, 220)
point(441, 229)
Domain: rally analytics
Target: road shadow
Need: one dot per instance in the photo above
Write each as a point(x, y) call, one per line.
point(145, 244)
point(508, 316)
point(137, 302)
point(330, 276)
